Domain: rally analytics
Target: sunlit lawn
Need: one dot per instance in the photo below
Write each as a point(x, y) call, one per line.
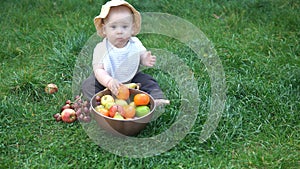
point(257, 42)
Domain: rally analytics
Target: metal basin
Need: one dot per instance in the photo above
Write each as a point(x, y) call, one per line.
point(120, 127)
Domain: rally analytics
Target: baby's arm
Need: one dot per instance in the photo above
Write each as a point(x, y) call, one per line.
point(147, 59)
point(101, 75)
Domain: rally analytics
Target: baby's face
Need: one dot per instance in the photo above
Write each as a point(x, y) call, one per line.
point(118, 26)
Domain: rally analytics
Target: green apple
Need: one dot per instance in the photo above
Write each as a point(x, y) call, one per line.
point(141, 111)
point(107, 99)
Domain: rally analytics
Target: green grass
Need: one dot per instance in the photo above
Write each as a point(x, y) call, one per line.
point(256, 40)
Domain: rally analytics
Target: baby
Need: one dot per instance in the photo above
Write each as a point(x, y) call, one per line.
point(117, 58)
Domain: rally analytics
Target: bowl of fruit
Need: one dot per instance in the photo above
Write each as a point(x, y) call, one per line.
point(127, 114)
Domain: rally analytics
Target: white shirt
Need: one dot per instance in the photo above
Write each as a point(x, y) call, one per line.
point(121, 63)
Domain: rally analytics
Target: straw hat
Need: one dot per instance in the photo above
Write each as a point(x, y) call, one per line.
point(98, 20)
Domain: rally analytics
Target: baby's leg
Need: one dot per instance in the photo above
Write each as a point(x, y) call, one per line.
point(90, 87)
point(149, 85)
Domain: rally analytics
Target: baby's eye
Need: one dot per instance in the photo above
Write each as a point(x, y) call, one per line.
point(125, 26)
point(113, 26)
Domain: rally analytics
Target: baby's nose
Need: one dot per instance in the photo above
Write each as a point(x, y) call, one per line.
point(120, 30)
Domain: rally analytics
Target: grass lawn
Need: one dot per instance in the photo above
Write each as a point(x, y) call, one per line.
point(257, 42)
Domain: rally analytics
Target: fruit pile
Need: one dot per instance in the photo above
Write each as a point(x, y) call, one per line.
point(121, 107)
point(74, 110)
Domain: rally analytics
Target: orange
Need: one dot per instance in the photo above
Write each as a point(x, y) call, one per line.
point(141, 99)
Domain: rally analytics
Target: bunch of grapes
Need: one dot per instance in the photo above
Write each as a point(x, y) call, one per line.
point(80, 106)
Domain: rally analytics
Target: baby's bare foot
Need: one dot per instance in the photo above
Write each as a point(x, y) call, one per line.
point(160, 102)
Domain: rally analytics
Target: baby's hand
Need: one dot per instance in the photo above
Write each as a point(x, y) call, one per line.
point(113, 85)
point(148, 59)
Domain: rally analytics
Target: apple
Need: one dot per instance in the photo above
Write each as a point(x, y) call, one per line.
point(101, 109)
point(107, 99)
point(109, 104)
point(121, 102)
point(68, 115)
point(129, 111)
point(142, 111)
point(114, 109)
point(123, 92)
point(51, 88)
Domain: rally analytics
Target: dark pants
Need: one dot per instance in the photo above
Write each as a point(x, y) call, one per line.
point(91, 86)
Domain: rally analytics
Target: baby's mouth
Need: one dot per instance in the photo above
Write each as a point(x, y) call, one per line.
point(119, 39)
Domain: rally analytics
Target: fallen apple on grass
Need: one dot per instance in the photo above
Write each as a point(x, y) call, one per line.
point(51, 88)
point(68, 115)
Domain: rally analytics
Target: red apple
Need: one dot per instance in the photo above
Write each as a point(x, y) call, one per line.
point(115, 108)
point(68, 115)
point(112, 110)
point(51, 88)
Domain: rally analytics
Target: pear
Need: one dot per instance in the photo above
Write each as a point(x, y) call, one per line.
point(118, 116)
